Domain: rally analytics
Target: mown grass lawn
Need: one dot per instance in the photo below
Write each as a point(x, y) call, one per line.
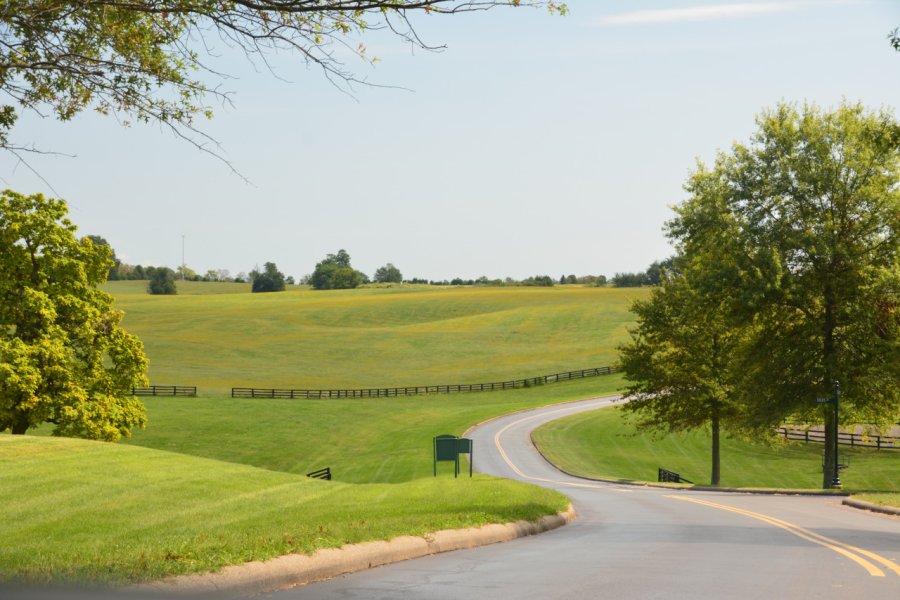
point(218, 335)
point(94, 512)
point(601, 444)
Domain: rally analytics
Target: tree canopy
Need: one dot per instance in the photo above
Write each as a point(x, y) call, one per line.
point(162, 282)
point(680, 362)
point(334, 272)
point(800, 231)
point(64, 359)
point(270, 279)
point(388, 274)
point(150, 61)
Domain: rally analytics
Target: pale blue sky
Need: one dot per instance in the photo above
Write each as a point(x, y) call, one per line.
point(531, 145)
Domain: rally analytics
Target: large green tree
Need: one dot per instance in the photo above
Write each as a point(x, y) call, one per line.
point(335, 272)
point(680, 362)
point(64, 359)
point(270, 279)
point(149, 60)
point(162, 282)
point(388, 274)
point(811, 263)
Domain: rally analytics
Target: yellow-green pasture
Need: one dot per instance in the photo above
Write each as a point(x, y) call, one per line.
point(218, 335)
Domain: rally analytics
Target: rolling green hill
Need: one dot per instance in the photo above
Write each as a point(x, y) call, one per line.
point(218, 335)
point(95, 512)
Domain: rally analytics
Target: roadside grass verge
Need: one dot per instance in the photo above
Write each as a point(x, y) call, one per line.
point(385, 440)
point(601, 444)
point(218, 335)
point(100, 513)
point(883, 499)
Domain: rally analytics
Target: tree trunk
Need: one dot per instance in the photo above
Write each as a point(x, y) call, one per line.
point(20, 425)
point(714, 478)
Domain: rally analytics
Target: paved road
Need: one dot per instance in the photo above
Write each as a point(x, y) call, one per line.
point(636, 543)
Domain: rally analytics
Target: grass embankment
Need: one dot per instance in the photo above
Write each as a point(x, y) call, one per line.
point(601, 444)
point(82, 511)
point(883, 499)
point(217, 335)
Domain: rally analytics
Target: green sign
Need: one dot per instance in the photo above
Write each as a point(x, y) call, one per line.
point(447, 448)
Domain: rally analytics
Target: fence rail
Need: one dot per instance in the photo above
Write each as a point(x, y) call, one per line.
point(165, 390)
point(392, 392)
point(860, 440)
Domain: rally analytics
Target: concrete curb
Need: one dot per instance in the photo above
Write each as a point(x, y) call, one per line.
point(879, 508)
point(298, 569)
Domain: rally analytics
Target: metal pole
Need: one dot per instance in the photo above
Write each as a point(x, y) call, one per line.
point(836, 480)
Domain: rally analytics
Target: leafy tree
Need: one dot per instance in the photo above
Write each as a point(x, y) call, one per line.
point(64, 359)
point(894, 38)
point(680, 363)
point(186, 273)
point(388, 274)
point(630, 279)
point(113, 270)
point(269, 280)
point(162, 281)
point(143, 61)
point(335, 273)
point(810, 262)
point(539, 280)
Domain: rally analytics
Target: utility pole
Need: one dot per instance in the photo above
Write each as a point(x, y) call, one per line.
point(182, 257)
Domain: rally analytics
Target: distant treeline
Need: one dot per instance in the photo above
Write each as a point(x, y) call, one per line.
point(652, 276)
point(335, 272)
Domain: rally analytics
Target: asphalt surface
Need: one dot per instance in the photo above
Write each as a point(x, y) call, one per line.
point(635, 542)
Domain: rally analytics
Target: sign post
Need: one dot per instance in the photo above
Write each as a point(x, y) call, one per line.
point(447, 448)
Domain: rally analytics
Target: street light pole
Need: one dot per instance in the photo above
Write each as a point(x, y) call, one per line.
point(836, 479)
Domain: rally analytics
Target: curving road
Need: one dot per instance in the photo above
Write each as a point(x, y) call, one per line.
point(636, 543)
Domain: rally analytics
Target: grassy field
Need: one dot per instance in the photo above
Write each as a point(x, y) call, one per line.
point(363, 441)
point(93, 512)
point(215, 480)
point(601, 444)
point(217, 335)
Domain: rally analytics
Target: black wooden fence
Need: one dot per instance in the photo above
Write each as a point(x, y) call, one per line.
point(392, 392)
point(165, 390)
point(861, 440)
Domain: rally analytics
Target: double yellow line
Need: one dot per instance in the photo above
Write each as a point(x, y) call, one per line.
point(852, 552)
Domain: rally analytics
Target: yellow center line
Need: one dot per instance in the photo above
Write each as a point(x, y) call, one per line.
point(835, 545)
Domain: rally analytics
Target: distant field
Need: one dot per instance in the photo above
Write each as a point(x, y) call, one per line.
point(600, 444)
point(218, 335)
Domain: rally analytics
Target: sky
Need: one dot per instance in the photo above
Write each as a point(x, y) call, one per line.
point(531, 144)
